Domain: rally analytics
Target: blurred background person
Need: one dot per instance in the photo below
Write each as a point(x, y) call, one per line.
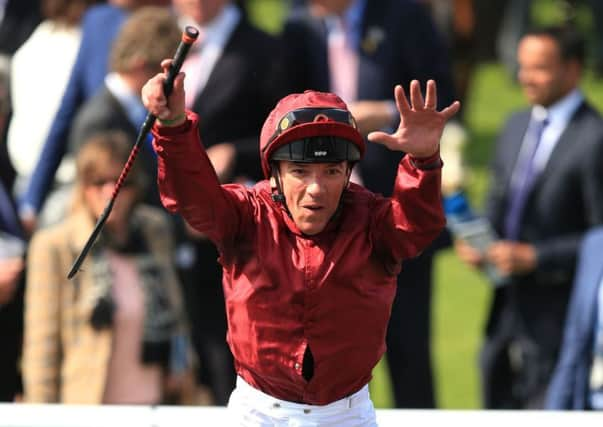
point(107, 335)
point(546, 191)
point(360, 49)
point(7, 173)
point(12, 264)
point(455, 19)
point(148, 35)
point(18, 18)
point(54, 43)
point(577, 382)
point(517, 18)
point(99, 27)
point(234, 78)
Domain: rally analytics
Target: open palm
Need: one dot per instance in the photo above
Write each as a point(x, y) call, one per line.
point(421, 125)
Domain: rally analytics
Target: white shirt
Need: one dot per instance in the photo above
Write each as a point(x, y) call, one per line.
point(213, 37)
point(127, 98)
point(558, 116)
point(40, 70)
point(343, 43)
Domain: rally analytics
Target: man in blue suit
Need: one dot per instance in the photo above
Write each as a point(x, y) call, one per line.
point(546, 191)
point(360, 49)
point(100, 25)
point(578, 378)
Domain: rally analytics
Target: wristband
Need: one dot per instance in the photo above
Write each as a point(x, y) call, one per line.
point(427, 163)
point(171, 122)
point(427, 166)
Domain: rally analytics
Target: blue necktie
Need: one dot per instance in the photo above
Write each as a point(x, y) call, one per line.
point(9, 222)
point(523, 179)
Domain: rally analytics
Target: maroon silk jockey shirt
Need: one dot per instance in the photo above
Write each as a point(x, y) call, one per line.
point(285, 291)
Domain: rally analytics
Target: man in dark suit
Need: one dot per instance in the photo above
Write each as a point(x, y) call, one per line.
point(546, 191)
point(18, 20)
point(390, 42)
point(148, 35)
point(12, 264)
point(240, 81)
point(236, 80)
point(577, 382)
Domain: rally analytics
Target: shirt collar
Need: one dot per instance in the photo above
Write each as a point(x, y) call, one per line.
point(352, 17)
point(127, 98)
point(218, 30)
point(561, 111)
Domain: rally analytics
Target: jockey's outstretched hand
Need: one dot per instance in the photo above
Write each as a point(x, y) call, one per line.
point(421, 125)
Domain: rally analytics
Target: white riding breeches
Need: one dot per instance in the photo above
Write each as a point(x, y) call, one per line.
point(250, 407)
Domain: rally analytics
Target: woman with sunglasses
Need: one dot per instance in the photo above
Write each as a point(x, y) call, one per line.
point(309, 259)
point(108, 336)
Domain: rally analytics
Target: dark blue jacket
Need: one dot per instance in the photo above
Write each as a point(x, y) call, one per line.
point(569, 388)
point(398, 43)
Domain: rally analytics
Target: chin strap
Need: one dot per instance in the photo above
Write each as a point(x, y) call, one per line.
point(278, 197)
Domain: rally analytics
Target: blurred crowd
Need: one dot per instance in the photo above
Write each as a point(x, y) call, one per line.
point(144, 320)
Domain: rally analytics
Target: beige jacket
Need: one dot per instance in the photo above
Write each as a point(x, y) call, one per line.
point(64, 358)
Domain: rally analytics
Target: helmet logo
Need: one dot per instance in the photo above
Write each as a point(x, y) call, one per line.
point(284, 124)
point(320, 153)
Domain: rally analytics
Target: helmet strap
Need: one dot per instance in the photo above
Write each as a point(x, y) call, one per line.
point(278, 197)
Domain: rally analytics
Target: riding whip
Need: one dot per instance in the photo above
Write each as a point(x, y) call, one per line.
point(189, 36)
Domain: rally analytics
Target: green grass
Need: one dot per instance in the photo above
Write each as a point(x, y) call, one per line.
point(461, 297)
point(459, 308)
point(269, 14)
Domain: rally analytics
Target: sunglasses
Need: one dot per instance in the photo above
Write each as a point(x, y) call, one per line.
point(310, 115)
point(101, 182)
